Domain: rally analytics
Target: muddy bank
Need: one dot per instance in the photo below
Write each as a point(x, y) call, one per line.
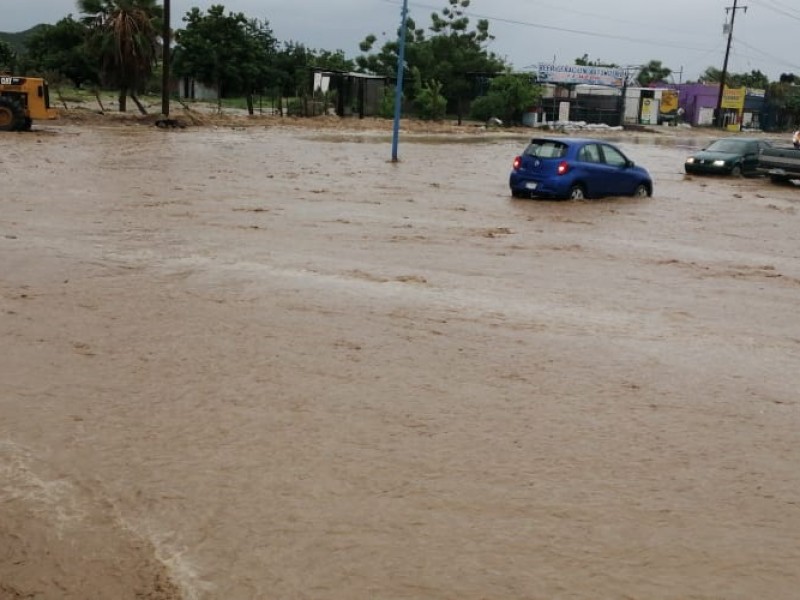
point(207, 115)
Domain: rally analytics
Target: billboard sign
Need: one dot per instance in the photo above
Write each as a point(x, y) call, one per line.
point(574, 74)
point(733, 98)
point(669, 102)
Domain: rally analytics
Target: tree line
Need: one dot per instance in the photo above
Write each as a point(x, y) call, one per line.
point(116, 44)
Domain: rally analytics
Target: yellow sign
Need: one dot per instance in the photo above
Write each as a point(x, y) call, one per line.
point(646, 110)
point(733, 98)
point(669, 102)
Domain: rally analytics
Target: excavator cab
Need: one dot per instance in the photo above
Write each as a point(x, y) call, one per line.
point(23, 100)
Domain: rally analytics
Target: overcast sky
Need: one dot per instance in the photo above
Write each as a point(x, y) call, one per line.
point(686, 35)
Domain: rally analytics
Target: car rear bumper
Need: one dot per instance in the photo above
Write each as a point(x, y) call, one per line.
point(528, 186)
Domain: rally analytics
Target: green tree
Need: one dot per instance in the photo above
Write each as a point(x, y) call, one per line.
point(459, 53)
point(61, 48)
point(333, 61)
point(228, 51)
point(124, 35)
point(754, 79)
point(293, 65)
point(387, 100)
point(711, 75)
point(453, 54)
point(584, 61)
point(508, 98)
point(653, 72)
point(430, 104)
point(260, 49)
point(8, 57)
point(784, 99)
point(384, 61)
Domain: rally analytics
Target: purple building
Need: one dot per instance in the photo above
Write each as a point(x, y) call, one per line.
point(699, 103)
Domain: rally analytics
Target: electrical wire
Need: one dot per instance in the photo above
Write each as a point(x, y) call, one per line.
point(767, 55)
point(775, 7)
point(650, 41)
point(561, 8)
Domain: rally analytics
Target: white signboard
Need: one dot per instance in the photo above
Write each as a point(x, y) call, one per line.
point(574, 74)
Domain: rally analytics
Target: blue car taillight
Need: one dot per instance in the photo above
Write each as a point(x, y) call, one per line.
point(563, 168)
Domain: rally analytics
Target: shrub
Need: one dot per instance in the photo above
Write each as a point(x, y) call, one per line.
point(430, 103)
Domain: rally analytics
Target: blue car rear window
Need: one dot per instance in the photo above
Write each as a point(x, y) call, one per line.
point(546, 149)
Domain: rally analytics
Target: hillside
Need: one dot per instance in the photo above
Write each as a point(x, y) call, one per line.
point(17, 40)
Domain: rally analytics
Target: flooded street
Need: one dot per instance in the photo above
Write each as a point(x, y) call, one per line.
point(267, 362)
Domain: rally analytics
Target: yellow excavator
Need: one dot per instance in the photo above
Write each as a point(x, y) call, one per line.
point(22, 101)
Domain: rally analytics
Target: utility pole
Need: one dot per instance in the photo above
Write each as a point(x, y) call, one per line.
point(398, 92)
point(623, 100)
point(165, 80)
point(732, 10)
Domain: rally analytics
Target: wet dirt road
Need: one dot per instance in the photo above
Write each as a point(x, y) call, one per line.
point(269, 363)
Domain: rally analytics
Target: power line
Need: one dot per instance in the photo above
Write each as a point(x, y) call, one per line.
point(784, 6)
point(786, 12)
point(649, 42)
point(710, 52)
point(705, 51)
point(782, 61)
point(739, 41)
point(604, 16)
point(732, 10)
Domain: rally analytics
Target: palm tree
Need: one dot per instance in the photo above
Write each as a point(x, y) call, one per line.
point(125, 34)
point(711, 75)
point(652, 72)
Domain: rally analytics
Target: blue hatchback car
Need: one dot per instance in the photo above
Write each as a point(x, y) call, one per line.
point(557, 167)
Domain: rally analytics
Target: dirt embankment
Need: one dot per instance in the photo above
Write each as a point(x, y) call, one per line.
point(200, 114)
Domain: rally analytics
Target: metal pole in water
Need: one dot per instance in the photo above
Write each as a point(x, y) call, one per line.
point(398, 92)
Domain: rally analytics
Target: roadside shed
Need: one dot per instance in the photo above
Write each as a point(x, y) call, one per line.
point(354, 93)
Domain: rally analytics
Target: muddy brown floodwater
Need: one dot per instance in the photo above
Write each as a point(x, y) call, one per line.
point(267, 363)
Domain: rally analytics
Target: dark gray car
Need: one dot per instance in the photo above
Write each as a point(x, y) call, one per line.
point(727, 156)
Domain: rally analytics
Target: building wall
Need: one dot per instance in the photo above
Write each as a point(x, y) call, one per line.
point(699, 102)
point(602, 104)
point(191, 89)
point(696, 99)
